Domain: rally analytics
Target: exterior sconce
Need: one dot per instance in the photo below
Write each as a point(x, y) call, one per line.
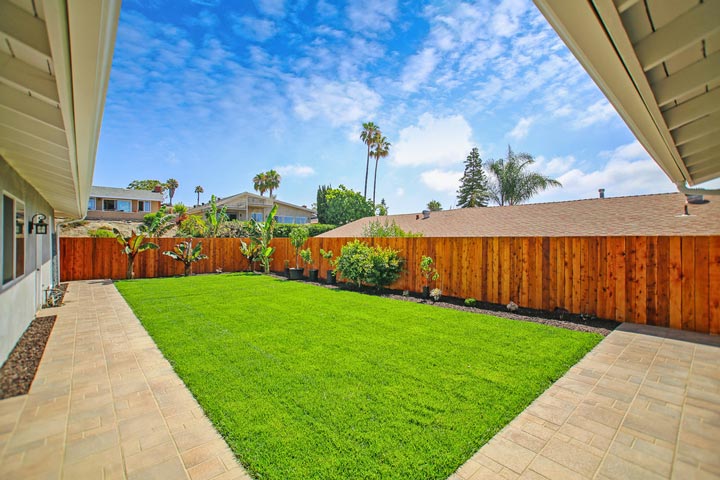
point(41, 228)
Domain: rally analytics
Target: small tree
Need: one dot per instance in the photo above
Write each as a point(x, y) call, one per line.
point(157, 224)
point(428, 270)
point(185, 253)
point(306, 256)
point(298, 237)
point(215, 217)
point(132, 245)
point(263, 234)
point(250, 251)
point(354, 262)
point(434, 206)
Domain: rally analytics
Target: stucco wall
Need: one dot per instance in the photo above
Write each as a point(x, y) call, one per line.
point(21, 297)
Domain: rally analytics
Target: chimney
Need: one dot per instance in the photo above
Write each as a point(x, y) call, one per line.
point(601, 191)
point(157, 189)
point(426, 214)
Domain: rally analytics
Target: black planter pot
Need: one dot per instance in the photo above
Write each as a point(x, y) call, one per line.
point(296, 274)
point(426, 293)
point(313, 275)
point(330, 277)
point(287, 272)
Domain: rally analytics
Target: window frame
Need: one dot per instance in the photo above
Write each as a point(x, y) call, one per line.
point(92, 203)
point(114, 209)
point(13, 242)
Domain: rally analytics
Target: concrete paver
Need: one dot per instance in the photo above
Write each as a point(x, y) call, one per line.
point(106, 404)
point(645, 403)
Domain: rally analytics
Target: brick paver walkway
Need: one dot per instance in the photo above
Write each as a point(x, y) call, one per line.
point(106, 404)
point(644, 404)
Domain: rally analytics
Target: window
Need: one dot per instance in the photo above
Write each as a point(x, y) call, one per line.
point(257, 216)
point(13, 238)
point(91, 203)
point(109, 205)
point(232, 216)
point(285, 219)
point(300, 219)
point(143, 206)
point(124, 206)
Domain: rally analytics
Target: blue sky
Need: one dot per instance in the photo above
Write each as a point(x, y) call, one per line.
point(211, 92)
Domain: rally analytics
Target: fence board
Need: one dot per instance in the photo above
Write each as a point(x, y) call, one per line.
point(664, 281)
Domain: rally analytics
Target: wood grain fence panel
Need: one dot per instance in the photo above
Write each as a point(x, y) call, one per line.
point(619, 263)
point(702, 285)
point(688, 283)
point(662, 301)
point(651, 297)
point(714, 285)
point(640, 299)
point(676, 282)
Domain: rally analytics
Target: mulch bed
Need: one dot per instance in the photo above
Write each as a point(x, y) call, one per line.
point(18, 372)
point(559, 318)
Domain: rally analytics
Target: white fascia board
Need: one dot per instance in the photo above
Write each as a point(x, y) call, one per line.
point(579, 26)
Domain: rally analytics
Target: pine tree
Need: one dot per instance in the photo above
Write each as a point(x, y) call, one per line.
point(473, 191)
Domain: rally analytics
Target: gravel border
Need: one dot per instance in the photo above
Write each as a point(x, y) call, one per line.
point(560, 318)
point(18, 372)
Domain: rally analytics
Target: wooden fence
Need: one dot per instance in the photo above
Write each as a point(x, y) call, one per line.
point(665, 281)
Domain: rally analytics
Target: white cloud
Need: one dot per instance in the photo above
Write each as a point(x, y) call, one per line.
point(599, 112)
point(326, 9)
point(371, 15)
point(629, 171)
point(418, 69)
point(555, 166)
point(339, 103)
point(399, 192)
point(274, 8)
point(434, 141)
point(254, 28)
point(506, 18)
point(295, 170)
point(445, 181)
point(522, 128)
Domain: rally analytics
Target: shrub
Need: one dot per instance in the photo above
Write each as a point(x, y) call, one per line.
point(386, 267)
point(283, 230)
point(101, 233)
point(235, 229)
point(377, 229)
point(470, 302)
point(192, 226)
point(360, 263)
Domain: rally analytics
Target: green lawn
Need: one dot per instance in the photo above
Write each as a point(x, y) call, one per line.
point(306, 382)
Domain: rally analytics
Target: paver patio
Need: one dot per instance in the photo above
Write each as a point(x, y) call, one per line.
point(106, 404)
point(644, 404)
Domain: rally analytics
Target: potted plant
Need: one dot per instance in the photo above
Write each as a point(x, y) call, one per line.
point(306, 255)
point(330, 273)
point(286, 263)
point(429, 272)
point(298, 237)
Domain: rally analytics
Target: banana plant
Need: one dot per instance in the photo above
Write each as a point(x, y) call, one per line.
point(132, 245)
point(250, 251)
point(157, 224)
point(262, 234)
point(215, 217)
point(187, 254)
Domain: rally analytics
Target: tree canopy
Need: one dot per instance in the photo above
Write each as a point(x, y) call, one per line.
point(512, 183)
point(434, 206)
point(146, 185)
point(473, 191)
point(341, 205)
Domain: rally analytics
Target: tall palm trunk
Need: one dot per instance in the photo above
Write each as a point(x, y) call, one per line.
point(367, 168)
point(198, 202)
point(375, 179)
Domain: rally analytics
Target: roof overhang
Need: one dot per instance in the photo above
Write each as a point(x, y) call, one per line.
point(55, 60)
point(658, 63)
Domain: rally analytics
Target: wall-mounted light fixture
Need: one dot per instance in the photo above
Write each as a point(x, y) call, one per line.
point(41, 228)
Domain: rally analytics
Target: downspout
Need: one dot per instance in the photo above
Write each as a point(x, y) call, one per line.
point(683, 188)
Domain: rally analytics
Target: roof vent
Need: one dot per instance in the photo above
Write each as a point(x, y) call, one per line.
point(696, 199)
point(426, 214)
point(601, 191)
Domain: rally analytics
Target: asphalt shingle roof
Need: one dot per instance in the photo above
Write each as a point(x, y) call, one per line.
point(649, 215)
point(125, 193)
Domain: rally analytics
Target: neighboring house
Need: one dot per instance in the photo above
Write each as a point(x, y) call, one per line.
point(109, 203)
point(246, 205)
point(51, 103)
point(660, 214)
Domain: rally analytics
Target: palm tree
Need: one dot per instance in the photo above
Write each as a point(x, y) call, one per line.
point(381, 150)
point(171, 185)
point(368, 136)
point(272, 180)
point(513, 184)
point(260, 183)
point(199, 190)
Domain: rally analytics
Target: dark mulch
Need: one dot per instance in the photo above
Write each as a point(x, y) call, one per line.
point(18, 372)
point(559, 318)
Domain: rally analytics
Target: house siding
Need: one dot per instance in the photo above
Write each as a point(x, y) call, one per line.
point(22, 297)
